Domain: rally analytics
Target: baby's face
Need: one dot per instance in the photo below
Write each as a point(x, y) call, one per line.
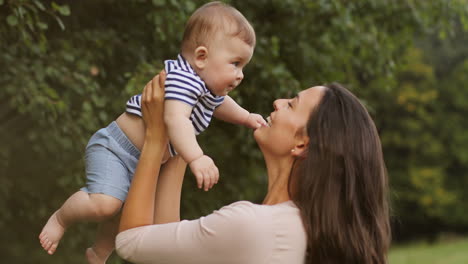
point(227, 56)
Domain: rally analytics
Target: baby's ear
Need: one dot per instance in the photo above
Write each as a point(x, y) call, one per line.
point(201, 56)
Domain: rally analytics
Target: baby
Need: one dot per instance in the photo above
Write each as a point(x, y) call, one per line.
point(217, 44)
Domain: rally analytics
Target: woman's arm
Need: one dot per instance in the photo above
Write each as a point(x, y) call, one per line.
point(139, 206)
point(171, 176)
point(238, 233)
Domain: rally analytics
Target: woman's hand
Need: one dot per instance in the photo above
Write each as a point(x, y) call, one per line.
point(152, 104)
point(138, 209)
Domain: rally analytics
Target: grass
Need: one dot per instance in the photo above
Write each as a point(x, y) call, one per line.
point(449, 252)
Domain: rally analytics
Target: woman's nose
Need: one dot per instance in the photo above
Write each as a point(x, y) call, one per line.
point(278, 103)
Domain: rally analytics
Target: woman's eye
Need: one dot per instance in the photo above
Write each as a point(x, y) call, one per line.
point(236, 63)
point(289, 104)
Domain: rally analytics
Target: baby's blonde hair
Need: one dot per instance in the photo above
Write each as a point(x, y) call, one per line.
point(212, 18)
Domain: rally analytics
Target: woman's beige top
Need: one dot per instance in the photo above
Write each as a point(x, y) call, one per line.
point(242, 232)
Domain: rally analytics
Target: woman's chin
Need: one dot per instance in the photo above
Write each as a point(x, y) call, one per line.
point(259, 134)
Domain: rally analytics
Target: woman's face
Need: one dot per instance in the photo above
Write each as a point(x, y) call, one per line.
point(288, 118)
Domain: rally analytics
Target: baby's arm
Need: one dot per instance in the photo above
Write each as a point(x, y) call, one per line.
point(182, 137)
point(180, 130)
point(231, 112)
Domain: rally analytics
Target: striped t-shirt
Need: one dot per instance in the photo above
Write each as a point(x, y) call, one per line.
point(183, 84)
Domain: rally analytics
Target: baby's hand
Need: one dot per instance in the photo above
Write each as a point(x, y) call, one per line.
point(255, 121)
point(205, 172)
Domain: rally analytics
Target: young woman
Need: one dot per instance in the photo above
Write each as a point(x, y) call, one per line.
point(326, 200)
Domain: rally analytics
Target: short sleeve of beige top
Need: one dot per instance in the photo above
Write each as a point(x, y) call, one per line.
point(242, 232)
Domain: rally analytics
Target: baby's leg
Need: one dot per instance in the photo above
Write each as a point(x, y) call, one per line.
point(105, 241)
point(80, 207)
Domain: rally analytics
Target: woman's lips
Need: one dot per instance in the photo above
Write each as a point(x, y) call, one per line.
point(268, 119)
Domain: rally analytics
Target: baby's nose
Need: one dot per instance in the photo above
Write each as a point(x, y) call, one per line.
point(240, 75)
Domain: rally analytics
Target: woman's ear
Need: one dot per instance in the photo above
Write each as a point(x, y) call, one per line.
point(301, 146)
point(201, 56)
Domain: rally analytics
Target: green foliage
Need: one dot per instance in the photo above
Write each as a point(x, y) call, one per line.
point(68, 67)
point(425, 144)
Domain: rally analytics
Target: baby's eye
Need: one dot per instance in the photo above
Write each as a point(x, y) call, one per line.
point(236, 63)
point(289, 104)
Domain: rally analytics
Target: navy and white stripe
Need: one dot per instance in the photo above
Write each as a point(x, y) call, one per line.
point(183, 84)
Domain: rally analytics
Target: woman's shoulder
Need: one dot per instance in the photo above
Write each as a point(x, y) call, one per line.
point(237, 211)
point(249, 206)
point(269, 228)
point(245, 212)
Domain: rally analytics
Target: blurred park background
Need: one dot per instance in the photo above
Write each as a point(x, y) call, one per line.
point(68, 67)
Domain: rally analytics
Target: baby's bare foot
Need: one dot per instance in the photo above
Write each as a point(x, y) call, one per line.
point(51, 234)
point(93, 258)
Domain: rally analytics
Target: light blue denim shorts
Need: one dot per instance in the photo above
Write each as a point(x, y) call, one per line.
point(111, 160)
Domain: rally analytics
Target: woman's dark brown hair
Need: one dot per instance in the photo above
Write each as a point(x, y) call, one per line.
point(341, 184)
